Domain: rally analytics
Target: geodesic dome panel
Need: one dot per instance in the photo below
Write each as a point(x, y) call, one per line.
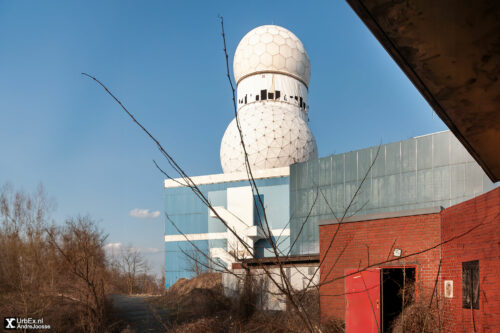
point(271, 48)
point(274, 135)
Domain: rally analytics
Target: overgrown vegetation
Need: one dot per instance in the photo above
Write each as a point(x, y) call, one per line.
point(56, 272)
point(199, 305)
point(418, 317)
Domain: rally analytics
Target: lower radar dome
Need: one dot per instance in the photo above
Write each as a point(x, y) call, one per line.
point(275, 136)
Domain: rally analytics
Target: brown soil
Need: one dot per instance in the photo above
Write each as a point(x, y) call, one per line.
point(202, 281)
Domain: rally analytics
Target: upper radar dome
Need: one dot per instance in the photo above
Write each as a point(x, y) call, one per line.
point(270, 48)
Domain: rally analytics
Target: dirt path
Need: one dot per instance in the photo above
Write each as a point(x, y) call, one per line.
point(139, 314)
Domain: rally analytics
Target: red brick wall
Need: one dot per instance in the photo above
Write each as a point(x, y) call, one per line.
point(359, 244)
point(481, 244)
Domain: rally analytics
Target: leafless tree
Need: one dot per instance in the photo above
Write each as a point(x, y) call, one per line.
point(133, 265)
point(47, 271)
point(80, 245)
point(25, 271)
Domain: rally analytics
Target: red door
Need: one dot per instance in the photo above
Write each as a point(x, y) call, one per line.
point(362, 314)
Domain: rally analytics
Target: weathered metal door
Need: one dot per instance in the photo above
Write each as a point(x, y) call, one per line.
point(362, 314)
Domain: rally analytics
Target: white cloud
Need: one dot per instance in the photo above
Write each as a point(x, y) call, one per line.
point(113, 246)
point(149, 250)
point(116, 248)
point(144, 213)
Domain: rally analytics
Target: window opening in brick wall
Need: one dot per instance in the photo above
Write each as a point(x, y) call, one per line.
point(470, 284)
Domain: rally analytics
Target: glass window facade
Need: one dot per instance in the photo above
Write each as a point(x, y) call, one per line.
point(185, 211)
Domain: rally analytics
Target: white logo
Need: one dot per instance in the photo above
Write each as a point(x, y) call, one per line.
point(9, 322)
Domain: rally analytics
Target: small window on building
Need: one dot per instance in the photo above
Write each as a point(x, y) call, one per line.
point(258, 211)
point(245, 99)
point(270, 95)
point(256, 97)
point(263, 94)
point(278, 94)
point(470, 284)
point(301, 100)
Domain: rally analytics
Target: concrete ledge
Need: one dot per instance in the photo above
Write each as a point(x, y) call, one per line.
point(229, 177)
point(385, 215)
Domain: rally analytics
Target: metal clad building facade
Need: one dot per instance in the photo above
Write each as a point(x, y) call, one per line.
point(426, 171)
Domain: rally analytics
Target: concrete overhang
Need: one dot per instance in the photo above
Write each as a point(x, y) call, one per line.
point(450, 50)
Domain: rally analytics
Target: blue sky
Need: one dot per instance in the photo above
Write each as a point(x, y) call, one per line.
point(164, 60)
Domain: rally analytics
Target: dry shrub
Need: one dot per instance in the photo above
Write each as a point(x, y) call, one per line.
point(245, 304)
point(261, 321)
point(207, 325)
point(288, 321)
point(309, 299)
point(199, 305)
point(417, 317)
point(333, 325)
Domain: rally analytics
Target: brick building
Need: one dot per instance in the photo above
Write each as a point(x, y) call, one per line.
point(481, 245)
point(430, 247)
point(424, 45)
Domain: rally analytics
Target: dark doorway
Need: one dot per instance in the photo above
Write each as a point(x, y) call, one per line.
point(393, 282)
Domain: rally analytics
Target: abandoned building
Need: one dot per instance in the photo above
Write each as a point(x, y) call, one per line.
point(450, 254)
point(422, 213)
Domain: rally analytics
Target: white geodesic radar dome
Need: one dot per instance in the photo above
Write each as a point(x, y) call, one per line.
point(270, 48)
point(275, 136)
